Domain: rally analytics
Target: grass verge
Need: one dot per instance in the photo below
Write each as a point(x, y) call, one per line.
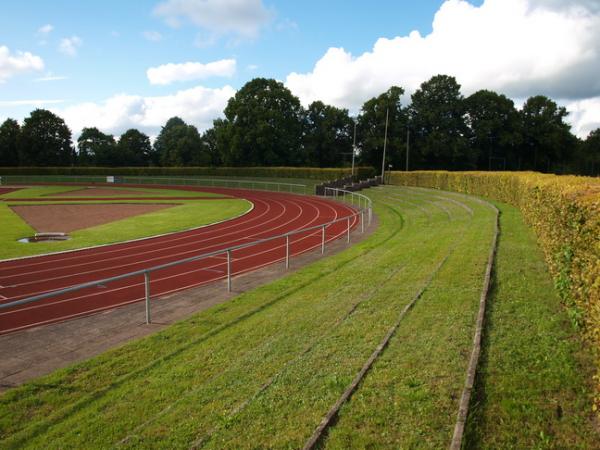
point(532, 387)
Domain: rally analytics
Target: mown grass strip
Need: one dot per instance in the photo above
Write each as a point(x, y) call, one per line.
point(532, 388)
point(318, 434)
point(465, 398)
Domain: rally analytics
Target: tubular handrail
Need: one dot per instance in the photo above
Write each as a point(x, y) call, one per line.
point(146, 272)
point(368, 203)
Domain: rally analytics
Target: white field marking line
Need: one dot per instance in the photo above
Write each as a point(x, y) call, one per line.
point(131, 255)
point(33, 307)
point(162, 294)
point(169, 256)
point(2, 297)
point(177, 236)
point(75, 250)
point(128, 265)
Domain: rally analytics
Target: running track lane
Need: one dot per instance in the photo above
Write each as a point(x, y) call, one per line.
point(273, 214)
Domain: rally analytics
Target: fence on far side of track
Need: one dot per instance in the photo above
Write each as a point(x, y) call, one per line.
point(362, 215)
point(276, 186)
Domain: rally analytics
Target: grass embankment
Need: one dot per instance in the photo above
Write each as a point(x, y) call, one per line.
point(185, 215)
point(263, 369)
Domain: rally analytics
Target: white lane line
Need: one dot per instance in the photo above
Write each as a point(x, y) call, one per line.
point(182, 235)
point(162, 255)
point(249, 269)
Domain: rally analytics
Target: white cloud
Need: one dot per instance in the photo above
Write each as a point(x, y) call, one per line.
point(516, 47)
point(198, 106)
point(240, 17)
point(45, 30)
point(69, 46)
point(168, 73)
point(584, 116)
point(152, 36)
point(19, 62)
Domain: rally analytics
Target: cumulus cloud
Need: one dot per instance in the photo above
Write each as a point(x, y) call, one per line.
point(12, 64)
point(584, 116)
point(152, 36)
point(517, 47)
point(243, 18)
point(169, 73)
point(197, 106)
point(70, 46)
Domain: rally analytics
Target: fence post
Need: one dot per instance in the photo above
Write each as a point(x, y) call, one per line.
point(228, 270)
point(287, 251)
point(323, 240)
point(147, 289)
point(348, 231)
point(362, 221)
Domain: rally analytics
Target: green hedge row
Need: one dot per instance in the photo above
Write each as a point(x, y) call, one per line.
point(313, 173)
point(564, 212)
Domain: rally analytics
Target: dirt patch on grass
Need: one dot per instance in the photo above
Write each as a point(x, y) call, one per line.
point(98, 192)
point(67, 218)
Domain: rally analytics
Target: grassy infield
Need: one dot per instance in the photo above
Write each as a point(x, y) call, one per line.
point(261, 370)
point(187, 214)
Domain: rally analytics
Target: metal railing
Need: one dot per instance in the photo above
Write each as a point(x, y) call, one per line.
point(363, 204)
point(276, 186)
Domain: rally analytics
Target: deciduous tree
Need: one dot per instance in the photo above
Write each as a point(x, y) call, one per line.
point(494, 128)
point(262, 126)
point(45, 141)
point(328, 135)
point(371, 129)
point(438, 125)
point(97, 149)
point(134, 148)
point(9, 140)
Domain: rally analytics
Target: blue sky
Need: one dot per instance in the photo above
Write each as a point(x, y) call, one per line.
point(90, 61)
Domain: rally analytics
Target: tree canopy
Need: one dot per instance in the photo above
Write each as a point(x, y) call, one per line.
point(438, 125)
point(45, 140)
point(9, 143)
point(264, 124)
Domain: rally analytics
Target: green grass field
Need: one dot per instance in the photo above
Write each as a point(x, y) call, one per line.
point(185, 215)
point(261, 370)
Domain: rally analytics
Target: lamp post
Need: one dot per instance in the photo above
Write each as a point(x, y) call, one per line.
point(407, 146)
point(354, 146)
point(387, 113)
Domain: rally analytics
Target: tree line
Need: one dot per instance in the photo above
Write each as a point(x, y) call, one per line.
point(264, 124)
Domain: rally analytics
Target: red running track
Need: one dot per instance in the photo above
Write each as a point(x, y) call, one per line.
point(273, 214)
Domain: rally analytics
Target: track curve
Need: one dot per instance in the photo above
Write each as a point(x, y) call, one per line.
point(273, 214)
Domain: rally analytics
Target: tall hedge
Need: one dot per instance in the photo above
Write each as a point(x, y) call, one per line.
point(564, 212)
point(267, 172)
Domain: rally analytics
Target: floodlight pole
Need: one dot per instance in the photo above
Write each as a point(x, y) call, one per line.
point(354, 147)
point(407, 146)
point(387, 113)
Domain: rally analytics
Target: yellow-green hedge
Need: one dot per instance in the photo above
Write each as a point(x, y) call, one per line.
point(564, 212)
